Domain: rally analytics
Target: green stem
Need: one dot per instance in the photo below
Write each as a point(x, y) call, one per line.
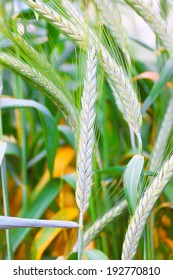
point(132, 139)
point(6, 208)
point(19, 94)
point(80, 236)
point(92, 209)
point(147, 249)
point(105, 160)
point(139, 143)
point(5, 197)
point(151, 241)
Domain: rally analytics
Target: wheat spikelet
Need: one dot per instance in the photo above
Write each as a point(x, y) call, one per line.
point(151, 16)
point(86, 138)
point(37, 59)
point(146, 204)
point(115, 74)
point(162, 139)
point(101, 223)
point(57, 20)
point(122, 87)
point(41, 83)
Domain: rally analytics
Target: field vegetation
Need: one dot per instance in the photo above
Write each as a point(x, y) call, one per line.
point(86, 116)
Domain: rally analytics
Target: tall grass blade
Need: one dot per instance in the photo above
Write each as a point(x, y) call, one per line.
point(165, 75)
point(4, 184)
point(49, 124)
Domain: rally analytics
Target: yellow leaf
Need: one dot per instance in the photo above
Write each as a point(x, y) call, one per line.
point(18, 125)
point(46, 235)
point(63, 158)
point(66, 197)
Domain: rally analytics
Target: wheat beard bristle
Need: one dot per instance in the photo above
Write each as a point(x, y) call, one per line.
point(151, 15)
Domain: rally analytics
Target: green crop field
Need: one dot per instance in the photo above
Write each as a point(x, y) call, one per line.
point(86, 118)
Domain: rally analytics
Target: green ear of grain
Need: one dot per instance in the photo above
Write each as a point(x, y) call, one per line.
point(70, 179)
point(3, 147)
point(68, 134)
point(48, 123)
point(132, 180)
point(43, 84)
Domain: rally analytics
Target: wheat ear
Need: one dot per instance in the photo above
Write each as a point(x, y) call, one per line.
point(37, 59)
point(124, 94)
point(115, 74)
point(101, 223)
point(121, 87)
point(162, 139)
point(41, 82)
point(153, 18)
point(146, 204)
point(57, 20)
point(86, 142)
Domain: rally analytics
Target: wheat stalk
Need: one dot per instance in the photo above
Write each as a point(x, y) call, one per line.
point(115, 74)
point(101, 223)
point(86, 141)
point(41, 82)
point(146, 204)
point(162, 139)
point(151, 16)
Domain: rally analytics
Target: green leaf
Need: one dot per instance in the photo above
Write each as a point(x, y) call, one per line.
point(132, 176)
point(48, 123)
point(115, 170)
point(165, 75)
point(13, 149)
point(3, 147)
point(142, 44)
point(94, 254)
point(73, 256)
point(37, 208)
point(70, 179)
point(25, 14)
point(68, 134)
